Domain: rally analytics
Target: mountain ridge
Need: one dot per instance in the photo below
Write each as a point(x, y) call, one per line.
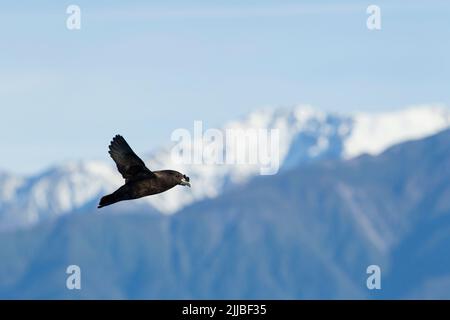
point(307, 135)
point(308, 233)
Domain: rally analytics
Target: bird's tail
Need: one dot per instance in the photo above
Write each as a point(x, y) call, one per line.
point(107, 200)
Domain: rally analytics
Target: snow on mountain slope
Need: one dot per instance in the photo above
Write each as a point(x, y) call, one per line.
point(210, 179)
point(8, 186)
point(54, 192)
point(306, 134)
point(373, 133)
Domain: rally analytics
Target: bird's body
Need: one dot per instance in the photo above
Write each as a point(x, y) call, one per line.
point(139, 180)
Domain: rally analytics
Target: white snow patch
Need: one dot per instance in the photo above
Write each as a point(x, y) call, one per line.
point(374, 133)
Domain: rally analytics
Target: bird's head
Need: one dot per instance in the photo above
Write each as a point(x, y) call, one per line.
point(182, 179)
point(173, 177)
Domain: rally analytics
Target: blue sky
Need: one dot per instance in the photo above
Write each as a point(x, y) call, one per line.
point(143, 69)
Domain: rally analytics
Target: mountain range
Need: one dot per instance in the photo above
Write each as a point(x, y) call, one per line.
point(307, 135)
point(309, 232)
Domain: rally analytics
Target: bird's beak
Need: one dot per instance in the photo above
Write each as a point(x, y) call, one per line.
point(184, 182)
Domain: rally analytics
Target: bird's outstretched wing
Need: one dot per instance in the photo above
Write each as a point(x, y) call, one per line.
point(130, 166)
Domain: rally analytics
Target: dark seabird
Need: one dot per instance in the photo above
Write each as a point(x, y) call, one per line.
point(139, 180)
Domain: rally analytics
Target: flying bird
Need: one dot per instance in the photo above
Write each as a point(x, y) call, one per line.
point(139, 180)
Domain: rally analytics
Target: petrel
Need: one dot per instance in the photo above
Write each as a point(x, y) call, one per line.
point(139, 180)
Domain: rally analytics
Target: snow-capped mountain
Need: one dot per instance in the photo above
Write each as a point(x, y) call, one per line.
point(59, 190)
point(305, 134)
point(307, 233)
